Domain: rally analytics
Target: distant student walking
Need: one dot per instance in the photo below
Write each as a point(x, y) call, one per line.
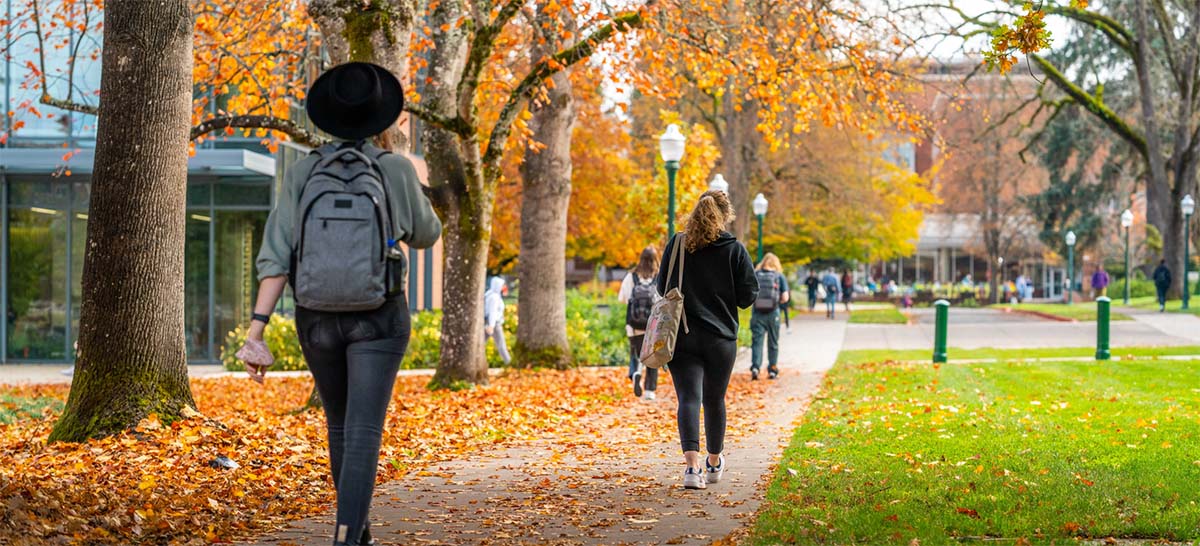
point(347, 275)
point(1100, 281)
point(1162, 284)
point(847, 288)
point(493, 316)
point(639, 293)
point(719, 280)
point(811, 283)
point(773, 294)
point(831, 285)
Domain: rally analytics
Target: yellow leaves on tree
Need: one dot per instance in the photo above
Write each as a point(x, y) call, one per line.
point(793, 62)
point(1027, 34)
point(843, 198)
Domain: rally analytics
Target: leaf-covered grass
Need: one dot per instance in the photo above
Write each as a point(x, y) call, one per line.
point(1084, 311)
point(879, 315)
point(1150, 303)
point(883, 355)
point(15, 406)
point(1042, 452)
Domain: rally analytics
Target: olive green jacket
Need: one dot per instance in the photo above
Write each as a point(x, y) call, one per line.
point(416, 224)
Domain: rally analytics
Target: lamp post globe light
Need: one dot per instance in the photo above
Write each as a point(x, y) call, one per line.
point(1126, 222)
point(670, 147)
point(1070, 266)
point(718, 183)
point(1189, 207)
point(760, 210)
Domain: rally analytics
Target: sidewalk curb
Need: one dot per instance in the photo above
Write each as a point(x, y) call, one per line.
point(1039, 314)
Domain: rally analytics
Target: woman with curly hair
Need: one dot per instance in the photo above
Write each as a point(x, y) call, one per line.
point(719, 279)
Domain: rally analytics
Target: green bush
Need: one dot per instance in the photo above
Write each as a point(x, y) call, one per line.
point(595, 331)
point(280, 337)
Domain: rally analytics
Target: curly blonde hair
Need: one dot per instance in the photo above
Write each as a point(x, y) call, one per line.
point(711, 216)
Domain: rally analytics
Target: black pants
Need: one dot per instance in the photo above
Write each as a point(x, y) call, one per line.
point(701, 369)
point(635, 351)
point(1162, 293)
point(354, 358)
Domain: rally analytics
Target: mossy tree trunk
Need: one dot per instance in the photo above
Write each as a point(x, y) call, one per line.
point(131, 360)
point(545, 200)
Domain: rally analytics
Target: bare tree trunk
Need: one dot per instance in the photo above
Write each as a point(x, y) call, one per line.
point(545, 198)
point(733, 165)
point(132, 360)
point(374, 31)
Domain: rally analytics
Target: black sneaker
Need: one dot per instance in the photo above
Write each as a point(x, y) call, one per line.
point(772, 374)
point(754, 375)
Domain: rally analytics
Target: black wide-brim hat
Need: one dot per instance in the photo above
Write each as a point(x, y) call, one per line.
point(355, 100)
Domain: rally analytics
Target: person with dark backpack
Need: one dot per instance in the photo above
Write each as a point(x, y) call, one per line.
point(773, 294)
point(639, 293)
point(333, 235)
point(1162, 284)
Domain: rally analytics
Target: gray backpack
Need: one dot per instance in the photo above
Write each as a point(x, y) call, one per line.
point(344, 232)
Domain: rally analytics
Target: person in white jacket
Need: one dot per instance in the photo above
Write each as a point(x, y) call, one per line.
point(639, 292)
point(493, 316)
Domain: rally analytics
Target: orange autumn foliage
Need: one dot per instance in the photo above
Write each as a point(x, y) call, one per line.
point(155, 484)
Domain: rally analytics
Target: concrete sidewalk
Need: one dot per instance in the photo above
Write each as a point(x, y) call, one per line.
point(990, 328)
point(598, 484)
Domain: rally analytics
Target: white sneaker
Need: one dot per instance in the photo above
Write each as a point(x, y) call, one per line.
point(648, 396)
point(714, 475)
point(693, 479)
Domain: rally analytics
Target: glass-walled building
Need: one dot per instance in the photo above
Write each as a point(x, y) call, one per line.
point(43, 228)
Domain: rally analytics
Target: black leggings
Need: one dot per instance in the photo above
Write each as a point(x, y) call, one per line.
point(700, 370)
point(354, 358)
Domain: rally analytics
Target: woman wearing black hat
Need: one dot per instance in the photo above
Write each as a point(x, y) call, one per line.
point(352, 349)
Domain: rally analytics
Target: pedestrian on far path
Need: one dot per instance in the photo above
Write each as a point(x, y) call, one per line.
point(493, 316)
point(1100, 281)
point(773, 294)
point(847, 288)
point(639, 293)
point(811, 283)
point(1162, 283)
point(720, 280)
point(832, 285)
point(352, 316)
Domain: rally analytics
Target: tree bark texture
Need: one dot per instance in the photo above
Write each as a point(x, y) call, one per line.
point(463, 200)
point(374, 31)
point(131, 360)
point(545, 199)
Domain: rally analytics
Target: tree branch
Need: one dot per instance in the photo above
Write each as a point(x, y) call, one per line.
point(1094, 105)
point(456, 125)
point(548, 67)
point(298, 134)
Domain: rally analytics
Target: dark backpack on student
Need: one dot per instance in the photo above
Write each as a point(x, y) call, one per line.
point(768, 291)
point(640, 303)
point(343, 232)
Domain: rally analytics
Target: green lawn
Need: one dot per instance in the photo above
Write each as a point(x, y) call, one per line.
point(1083, 311)
point(878, 315)
point(883, 355)
point(1173, 306)
point(1047, 452)
point(16, 408)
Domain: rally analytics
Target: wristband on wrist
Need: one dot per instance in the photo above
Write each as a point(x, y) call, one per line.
point(265, 319)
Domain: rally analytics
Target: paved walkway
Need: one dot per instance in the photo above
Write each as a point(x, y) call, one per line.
point(984, 328)
point(609, 480)
point(1180, 325)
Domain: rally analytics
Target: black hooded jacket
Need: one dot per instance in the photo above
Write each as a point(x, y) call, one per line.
point(717, 280)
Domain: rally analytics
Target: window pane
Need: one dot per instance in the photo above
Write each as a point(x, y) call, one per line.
point(238, 236)
point(243, 192)
point(36, 304)
point(195, 299)
point(198, 194)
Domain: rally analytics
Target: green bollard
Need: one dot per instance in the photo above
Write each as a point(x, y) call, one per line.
point(939, 336)
point(1102, 313)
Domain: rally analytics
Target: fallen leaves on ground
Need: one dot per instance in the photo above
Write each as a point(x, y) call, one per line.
point(163, 484)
